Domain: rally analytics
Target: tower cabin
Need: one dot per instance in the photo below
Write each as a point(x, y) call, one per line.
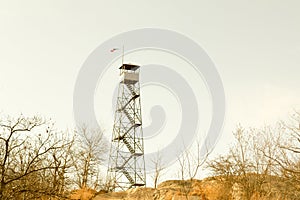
point(129, 73)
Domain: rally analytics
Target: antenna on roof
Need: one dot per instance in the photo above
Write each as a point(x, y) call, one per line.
point(123, 55)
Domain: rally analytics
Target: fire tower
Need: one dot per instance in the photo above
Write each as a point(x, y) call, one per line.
point(126, 162)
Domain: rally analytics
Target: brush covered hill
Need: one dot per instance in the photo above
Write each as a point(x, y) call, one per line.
point(214, 188)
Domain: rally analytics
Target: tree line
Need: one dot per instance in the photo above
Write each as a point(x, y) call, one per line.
point(264, 162)
point(37, 160)
point(261, 163)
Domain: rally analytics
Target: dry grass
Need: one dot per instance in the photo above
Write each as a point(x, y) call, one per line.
point(82, 194)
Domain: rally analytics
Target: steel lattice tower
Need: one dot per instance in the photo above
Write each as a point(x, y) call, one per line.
point(126, 162)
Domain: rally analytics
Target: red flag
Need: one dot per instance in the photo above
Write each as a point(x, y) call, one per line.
point(113, 50)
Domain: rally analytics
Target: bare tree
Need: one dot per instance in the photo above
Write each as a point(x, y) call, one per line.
point(190, 163)
point(247, 165)
point(91, 148)
point(288, 157)
point(158, 168)
point(26, 144)
point(62, 162)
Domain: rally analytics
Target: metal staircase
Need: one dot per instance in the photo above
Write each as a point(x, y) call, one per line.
point(132, 151)
point(129, 117)
point(128, 177)
point(129, 86)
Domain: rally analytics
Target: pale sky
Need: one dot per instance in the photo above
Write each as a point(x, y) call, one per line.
point(255, 46)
